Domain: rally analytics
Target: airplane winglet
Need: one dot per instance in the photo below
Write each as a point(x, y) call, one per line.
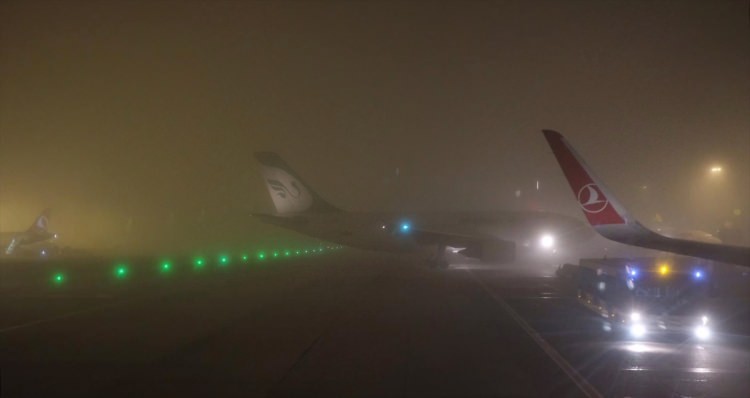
point(610, 219)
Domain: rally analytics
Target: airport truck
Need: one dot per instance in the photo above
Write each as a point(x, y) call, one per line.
point(645, 297)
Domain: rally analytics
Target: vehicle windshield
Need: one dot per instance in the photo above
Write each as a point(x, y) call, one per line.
point(673, 295)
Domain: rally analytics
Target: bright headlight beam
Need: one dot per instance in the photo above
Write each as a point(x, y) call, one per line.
point(637, 330)
point(702, 332)
point(547, 241)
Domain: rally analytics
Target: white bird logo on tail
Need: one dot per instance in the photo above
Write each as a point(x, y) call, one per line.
point(591, 198)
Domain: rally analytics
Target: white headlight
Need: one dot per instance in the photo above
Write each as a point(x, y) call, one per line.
point(547, 241)
point(635, 316)
point(637, 330)
point(702, 332)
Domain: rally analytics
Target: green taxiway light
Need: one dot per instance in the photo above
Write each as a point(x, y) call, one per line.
point(58, 278)
point(261, 256)
point(224, 260)
point(297, 252)
point(121, 272)
point(287, 253)
point(166, 266)
point(275, 254)
point(244, 258)
point(199, 262)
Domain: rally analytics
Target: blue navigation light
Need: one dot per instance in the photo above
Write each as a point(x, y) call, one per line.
point(633, 272)
point(405, 226)
point(698, 275)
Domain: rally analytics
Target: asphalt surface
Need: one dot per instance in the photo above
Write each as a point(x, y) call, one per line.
point(340, 323)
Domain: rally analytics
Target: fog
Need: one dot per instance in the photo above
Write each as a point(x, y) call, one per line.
point(136, 121)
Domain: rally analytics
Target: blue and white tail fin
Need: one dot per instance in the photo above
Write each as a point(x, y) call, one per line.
point(289, 193)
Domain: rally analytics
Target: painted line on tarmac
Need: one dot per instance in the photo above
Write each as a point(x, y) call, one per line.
point(581, 382)
point(59, 317)
point(71, 314)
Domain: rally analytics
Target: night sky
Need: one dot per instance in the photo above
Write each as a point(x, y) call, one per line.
point(136, 121)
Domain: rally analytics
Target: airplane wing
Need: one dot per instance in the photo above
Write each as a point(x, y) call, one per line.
point(480, 246)
point(610, 219)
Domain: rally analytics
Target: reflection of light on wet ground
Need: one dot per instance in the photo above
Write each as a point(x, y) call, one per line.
point(701, 370)
point(647, 347)
point(681, 370)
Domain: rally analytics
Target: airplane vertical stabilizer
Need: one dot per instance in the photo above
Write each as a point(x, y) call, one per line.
point(40, 224)
point(289, 193)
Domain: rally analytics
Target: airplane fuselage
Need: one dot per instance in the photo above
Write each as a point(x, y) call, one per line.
point(405, 232)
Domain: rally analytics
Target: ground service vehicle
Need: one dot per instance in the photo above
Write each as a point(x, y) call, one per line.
point(645, 297)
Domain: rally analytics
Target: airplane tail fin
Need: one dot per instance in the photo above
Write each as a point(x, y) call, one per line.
point(40, 224)
point(599, 206)
point(610, 219)
point(289, 193)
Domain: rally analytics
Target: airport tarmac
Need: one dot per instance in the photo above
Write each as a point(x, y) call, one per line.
point(340, 323)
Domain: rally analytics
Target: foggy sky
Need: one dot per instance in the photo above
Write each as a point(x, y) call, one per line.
point(143, 116)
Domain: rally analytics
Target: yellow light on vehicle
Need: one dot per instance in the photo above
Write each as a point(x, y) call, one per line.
point(664, 269)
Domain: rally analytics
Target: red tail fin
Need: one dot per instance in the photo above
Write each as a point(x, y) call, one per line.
point(599, 207)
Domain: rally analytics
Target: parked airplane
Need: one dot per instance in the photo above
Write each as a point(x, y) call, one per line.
point(610, 219)
point(497, 237)
point(37, 232)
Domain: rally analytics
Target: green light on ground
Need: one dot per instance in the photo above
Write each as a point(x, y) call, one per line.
point(297, 252)
point(198, 262)
point(121, 272)
point(58, 278)
point(244, 258)
point(287, 253)
point(165, 266)
point(224, 260)
point(261, 256)
point(275, 254)
point(307, 251)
